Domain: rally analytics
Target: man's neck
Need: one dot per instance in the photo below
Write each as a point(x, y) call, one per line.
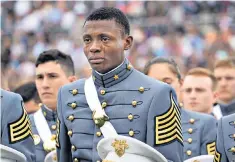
point(224, 102)
point(110, 70)
point(50, 108)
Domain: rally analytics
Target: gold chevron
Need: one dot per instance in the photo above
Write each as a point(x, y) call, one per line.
point(168, 125)
point(217, 157)
point(57, 133)
point(21, 128)
point(211, 148)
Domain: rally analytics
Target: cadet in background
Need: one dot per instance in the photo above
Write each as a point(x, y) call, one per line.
point(199, 130)
point(53, 70)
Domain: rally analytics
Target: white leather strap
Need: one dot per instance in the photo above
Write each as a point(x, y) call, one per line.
point(42, 126)
point(93, 101)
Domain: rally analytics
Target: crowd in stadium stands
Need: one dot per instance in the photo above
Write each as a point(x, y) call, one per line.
point(193, 33)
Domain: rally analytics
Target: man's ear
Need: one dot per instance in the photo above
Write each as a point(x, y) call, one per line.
point(215, 96)
point(128, 42)
point(72, 78)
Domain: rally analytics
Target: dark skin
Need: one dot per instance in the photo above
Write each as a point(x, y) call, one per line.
point(104, 44)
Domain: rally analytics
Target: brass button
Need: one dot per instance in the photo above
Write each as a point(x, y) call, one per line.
point(75, 91)
point(98, 134)
point(40, 104)
point(73, 148)
point(190, 130)
point(191, 121)
point(102, 92)
point(104, 104)
point(130, 117)
point(53, 127)
point(116, 77)
point(181, 104)
point(70, 133)
point(97, 161)
point(129, 67)
point(131, 133)
point(71, 117)
point(134, 103)
point(141, 89)
point(73, 105)
point(190, 140)
point(233, 149)
point(44, 113)
point(189, 152)
point(233, 135)
point(75, 160)
point(53, 137)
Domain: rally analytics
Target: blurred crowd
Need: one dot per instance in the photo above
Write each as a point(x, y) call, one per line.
point(193, 33)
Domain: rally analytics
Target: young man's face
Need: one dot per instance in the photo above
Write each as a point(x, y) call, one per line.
point(104, 44)
point(198, 94)
point(225, 84)
point(162, 72)
point(49, 78)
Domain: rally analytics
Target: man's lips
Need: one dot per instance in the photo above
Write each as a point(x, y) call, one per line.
point(46, 93)
point(96, 60)
point(193, 103)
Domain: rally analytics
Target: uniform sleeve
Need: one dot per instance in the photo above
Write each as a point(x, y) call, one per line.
point(209, 136)
point(63, 145)
point(220, 155)
point(16, 131)
point(164, 125)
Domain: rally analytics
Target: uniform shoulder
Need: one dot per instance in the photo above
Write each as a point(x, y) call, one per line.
point(201, 116)
point(8, 94)
point(155, 84)
point(228, 118)
point(8, 97)
point(76, 84)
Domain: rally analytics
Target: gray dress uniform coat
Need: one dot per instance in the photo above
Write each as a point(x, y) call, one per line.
point(199, 133)
point(137, 106)
point(15, 125)
point(225, 141)
point(50, 117)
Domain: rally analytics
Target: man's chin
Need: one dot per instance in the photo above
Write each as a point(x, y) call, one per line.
point(49, 103)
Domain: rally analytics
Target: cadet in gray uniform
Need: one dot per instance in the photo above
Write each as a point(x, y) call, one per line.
point(53, 69)
point(224, 71)
point(199, 130)
point(15, 125)
point(225, 142)
point(137, 106)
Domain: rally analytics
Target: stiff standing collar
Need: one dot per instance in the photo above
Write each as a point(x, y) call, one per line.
point(114, 76)
point(48, 113)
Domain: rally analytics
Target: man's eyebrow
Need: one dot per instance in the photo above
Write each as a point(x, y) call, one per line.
point(46, 73)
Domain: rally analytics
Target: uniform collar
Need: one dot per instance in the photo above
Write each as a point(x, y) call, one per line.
point(114, 76)
point(228, 109)
point(48, 113)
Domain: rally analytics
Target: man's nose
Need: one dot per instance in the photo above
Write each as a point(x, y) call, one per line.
point(45, 83)
point(95, 47)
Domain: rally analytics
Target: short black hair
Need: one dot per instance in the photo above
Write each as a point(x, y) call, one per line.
point(110, 13)
point(159, 60)
point(55, 55)
point(28, 91)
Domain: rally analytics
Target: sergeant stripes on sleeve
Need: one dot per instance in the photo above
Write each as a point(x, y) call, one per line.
point(217, 157)
point(20, 129)
point(57, 133)
point(168, 125)
point(211, 148)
